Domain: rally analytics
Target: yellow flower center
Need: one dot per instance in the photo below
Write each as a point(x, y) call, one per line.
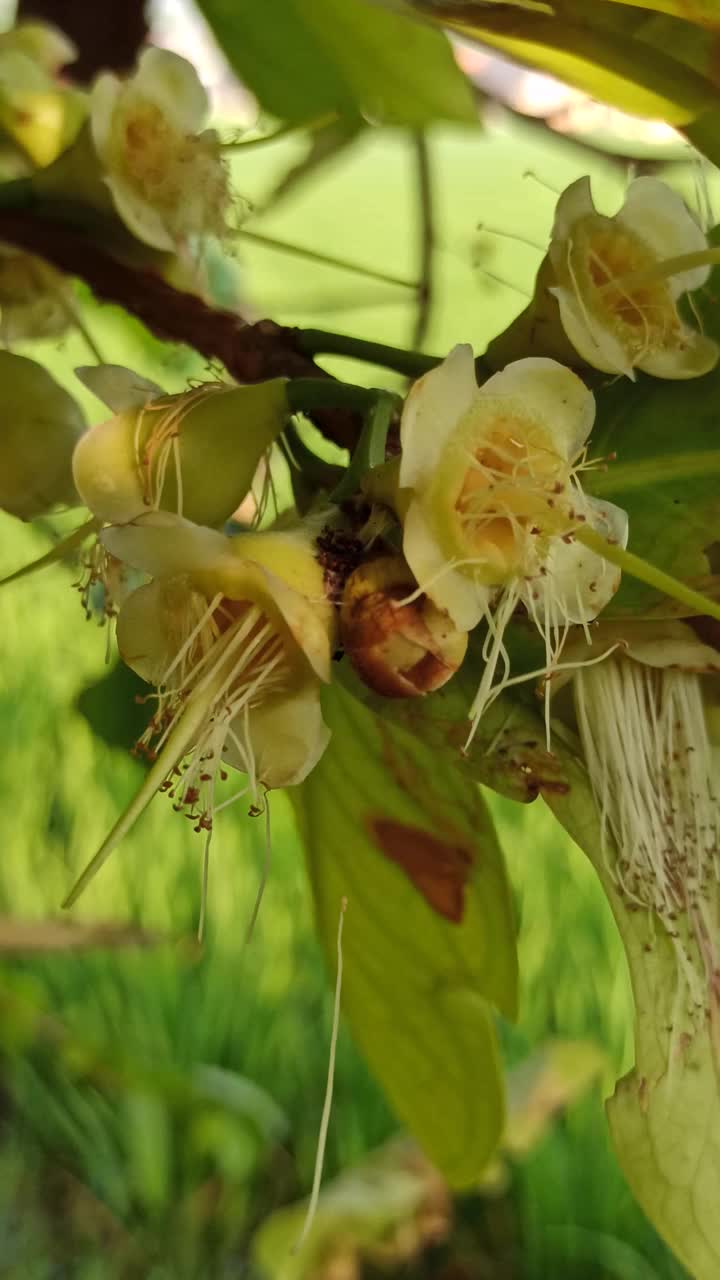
point(180, 175)
point(601, 255)
point(510, 489)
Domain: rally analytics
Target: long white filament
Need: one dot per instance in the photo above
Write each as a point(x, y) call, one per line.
point(325, 1120)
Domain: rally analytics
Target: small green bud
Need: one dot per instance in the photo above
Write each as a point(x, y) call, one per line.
point(40, 424)
point(194, 454)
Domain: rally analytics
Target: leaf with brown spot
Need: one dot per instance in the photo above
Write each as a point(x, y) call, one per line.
point(429, 937)
point(438, 870)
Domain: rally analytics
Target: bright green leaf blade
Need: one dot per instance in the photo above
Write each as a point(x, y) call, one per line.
point(303, 58)
point(427, 958)
point(595, 58)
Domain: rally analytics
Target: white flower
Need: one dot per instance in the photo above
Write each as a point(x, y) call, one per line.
point(618, 305)
point(492, 498)
point(165, 172)
point(237, 636)
point(237, 627)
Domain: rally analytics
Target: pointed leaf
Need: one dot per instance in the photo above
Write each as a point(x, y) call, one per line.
point(429, 939)
point(303, 58)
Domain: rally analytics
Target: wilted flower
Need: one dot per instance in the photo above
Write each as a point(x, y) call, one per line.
point(167, 178)
point(617, 300)
point(644, 732)
point(492, 496)
point(237, 637)
point(401, 648)
point(194, 453)
point(40, 424)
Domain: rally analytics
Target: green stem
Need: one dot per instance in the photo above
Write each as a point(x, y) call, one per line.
point(413, 364)
point(304, 395)
point(641, 569)
point(326, 259)
point(662, 270)
point(286, 131)
point(370, 450)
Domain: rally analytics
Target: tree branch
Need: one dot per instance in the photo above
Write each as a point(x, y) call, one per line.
point(250, 352)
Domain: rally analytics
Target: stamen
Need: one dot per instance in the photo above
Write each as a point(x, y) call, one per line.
point(663, 269)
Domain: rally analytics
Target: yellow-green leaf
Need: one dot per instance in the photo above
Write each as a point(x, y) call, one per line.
point(429, 938)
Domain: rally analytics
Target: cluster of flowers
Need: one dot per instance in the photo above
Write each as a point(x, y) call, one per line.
point(134, 150)
point(487, 511)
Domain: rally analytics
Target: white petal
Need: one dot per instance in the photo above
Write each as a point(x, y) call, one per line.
point(691, 358)
point(578, 582)
point(139, 217)
point(118, 388)
point(434, 406)
point(163, 544)
point(659, 216)
point(594, 342)
point(551, 393)
point(453, 590)
point(576, 202)
point(287, 738)
point(172, 83)
point(103, 101)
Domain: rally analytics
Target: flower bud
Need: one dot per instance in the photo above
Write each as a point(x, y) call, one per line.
point(400, 647)
point(40, 424)
point(194, 454)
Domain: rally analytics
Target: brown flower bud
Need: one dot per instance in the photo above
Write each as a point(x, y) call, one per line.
point(399, 649)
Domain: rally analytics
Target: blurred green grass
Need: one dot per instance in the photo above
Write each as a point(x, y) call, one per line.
point(182, 1187)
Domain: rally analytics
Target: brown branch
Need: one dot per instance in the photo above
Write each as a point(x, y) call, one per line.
point(107, 34)
point(250, 352)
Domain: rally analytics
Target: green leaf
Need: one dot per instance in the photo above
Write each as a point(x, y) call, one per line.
point(666, 475)
point(591, 54)
point(429, 937)
point(303, 58)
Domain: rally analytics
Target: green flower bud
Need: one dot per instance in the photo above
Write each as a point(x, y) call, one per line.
point(194, 454)
point(40, 424)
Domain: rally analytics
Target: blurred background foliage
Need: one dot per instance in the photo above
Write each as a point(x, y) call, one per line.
point(157, 1102)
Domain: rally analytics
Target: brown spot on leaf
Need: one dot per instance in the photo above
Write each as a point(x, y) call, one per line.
point(438, 870)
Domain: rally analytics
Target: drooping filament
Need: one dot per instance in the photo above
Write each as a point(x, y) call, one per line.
point(228, 654)
point(645, 741)
point(159, 446)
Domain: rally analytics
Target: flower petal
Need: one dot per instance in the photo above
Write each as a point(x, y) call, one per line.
point(593, 341)
point(434, 406)
point(172, 83)
point(575, 202)
point(144, 627)
point(287, 737)
point(453, 590)
point(104, 97)
point(139, 217)
point(162, 544)
point(551, 393)
point(659, 216)
point(118, 388)
point(578, 582)
point(689, 357)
